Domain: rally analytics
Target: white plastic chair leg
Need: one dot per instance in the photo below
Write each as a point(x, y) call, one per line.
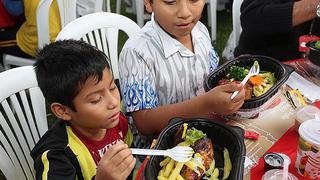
point(118, 7)
point(212, 18)
point(140, 12)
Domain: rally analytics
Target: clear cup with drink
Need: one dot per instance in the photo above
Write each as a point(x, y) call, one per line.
point(308, 155)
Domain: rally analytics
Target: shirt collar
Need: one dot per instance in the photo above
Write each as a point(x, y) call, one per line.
point(171, 45)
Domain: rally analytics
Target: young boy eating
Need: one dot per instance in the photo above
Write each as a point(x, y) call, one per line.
point(89, 140)
point(162, 68)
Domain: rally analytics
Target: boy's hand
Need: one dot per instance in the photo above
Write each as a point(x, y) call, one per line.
point(220, 98)
point(116, 164)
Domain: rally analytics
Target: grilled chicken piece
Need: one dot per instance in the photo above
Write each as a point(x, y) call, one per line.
point(178, 135)
point(189, 174)
point(248, 93)
point(205, 148)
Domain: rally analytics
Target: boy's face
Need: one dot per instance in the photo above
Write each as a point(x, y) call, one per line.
point(97, 104)
point(177, 17)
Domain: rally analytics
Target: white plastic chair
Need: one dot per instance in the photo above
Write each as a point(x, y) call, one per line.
point(139, 6)
point(236, 25)
point(22, 121)
point(67, 10)
point(105, 5)
point(211, 9)
point(234, 36)
point(212, 18)
point(84, 7)
point(100, 30)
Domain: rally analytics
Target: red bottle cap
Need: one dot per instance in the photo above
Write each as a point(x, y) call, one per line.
point(251, 135)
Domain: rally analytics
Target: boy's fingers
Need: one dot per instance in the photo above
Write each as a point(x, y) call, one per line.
point(115, 149)
point(238, 105)
point(129, 168)
point(126, 162)
point(239, 97)
point(121, 156)
point(231, 87)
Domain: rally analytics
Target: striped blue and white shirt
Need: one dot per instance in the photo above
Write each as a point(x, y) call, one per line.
point(156, 69)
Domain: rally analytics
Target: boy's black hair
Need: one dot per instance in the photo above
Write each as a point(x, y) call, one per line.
point(63, 67)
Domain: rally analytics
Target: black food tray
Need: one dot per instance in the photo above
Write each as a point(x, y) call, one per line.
point(281, 73)
point(220, 134)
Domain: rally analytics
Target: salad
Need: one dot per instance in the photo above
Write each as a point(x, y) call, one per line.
point(256, 86)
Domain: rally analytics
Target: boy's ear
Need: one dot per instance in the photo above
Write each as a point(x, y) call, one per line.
point(61, 111)
point(147, 4)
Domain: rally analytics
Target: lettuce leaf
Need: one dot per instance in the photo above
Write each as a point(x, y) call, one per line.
point(193, 135)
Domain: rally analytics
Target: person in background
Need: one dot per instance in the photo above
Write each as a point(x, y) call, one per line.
point(26, 36)
point(273, 27)
point(10, 21)
point(88, 142)
point(163, 67)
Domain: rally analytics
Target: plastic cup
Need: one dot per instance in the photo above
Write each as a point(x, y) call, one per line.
point(277, 174)
point(308, 155)
point(305, 113)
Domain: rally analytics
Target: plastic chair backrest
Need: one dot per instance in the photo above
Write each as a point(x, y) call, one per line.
point(236, 20)
point(22, 121)
point(101, 30)
point(67, 11)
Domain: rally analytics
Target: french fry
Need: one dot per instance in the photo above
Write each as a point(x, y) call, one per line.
point(165, 161)
point(211, 168)
point(191, 165)
point(185, 127)
point(227, 164)
point(176, 171)
point(179, 177)
point(161, 172)
point(168, 168)
point(215, 174)
point(161, 178)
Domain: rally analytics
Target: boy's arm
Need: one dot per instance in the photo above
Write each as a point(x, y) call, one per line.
point(153, 121)
point(304, 11)
point(54, 165)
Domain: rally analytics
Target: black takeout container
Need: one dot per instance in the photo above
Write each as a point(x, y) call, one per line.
point(281, 73)
point(313, 53)
point(220, 134)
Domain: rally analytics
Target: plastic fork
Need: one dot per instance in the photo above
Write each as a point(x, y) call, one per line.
point(178, 153)
point(254, 70)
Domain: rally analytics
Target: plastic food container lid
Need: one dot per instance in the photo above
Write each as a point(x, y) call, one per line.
point(310, 131)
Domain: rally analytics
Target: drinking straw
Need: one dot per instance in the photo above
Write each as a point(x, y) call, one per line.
point(285, 169)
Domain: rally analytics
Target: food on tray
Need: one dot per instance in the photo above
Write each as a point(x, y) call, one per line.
point(203, 164)
point(256, 86)
point(317, 45)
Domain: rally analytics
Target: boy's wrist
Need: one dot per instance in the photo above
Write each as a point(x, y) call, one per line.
point(204, 103)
